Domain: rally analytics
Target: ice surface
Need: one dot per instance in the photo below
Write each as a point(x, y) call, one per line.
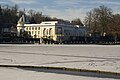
point(100, 57)
point(96, 57)
point(19, 74)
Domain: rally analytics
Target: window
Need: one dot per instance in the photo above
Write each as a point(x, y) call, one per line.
point(50, 32)
point(6, 30)
point(38, 28)
point(29, 32)
point(35, 28)
point(29, 28)
point(45, 32)
point(59, 30)
point(35, 32)
point(38, 32)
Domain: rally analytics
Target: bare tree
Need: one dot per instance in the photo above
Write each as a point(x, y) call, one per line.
point(77, 21)
point(97, 20)
point(114, 26)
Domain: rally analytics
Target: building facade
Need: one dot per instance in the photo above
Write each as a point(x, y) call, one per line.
point(52, 30)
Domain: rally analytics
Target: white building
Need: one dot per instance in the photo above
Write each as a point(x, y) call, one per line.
point(53, 30)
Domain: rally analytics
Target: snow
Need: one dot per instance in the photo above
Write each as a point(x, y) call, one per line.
point(19, 74)
point(94, 57)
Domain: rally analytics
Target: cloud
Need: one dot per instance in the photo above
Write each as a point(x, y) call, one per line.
point(2, 2)
point(68, 2)
point(110, 2)
point(78, 8)
point(63, 2)
point(67, 9)
point(67, 14)
point(23, 1)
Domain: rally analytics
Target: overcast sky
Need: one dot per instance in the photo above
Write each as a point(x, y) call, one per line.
point(64, 9)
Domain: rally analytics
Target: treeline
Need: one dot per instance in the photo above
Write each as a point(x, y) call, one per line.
point(8, 14)
point(102, 21)
point(11, 14)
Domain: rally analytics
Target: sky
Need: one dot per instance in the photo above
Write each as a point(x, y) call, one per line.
point(64, 9)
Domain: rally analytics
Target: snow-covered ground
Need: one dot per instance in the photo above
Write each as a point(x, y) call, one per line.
point(95, 57)
point(19, 74)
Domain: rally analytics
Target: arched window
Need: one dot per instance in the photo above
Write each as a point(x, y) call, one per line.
point(35, 28)
point(51, 32)
point(29, 28)
point(38, 28)
point(45, 32)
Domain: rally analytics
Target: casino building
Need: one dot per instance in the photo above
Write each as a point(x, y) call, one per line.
point(58, 31)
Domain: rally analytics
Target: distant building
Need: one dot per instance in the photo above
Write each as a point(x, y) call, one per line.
point(7, 29)
point(54, 30)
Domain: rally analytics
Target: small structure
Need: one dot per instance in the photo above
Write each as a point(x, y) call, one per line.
point(7, 29)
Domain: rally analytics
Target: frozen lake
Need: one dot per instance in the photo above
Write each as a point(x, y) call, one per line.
point(95, 57)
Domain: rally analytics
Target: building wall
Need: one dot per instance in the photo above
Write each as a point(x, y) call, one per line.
point(34, 31)
point(52, 30)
